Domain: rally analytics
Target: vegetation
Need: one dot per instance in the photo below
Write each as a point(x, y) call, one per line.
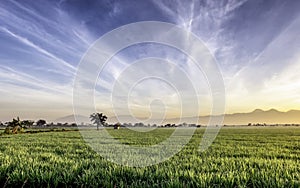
point(98, 119)
point(239, 157)
point(41, 122)
point(16, 125)
point(117, 126)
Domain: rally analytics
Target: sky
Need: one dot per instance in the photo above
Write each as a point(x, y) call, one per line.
point(255, 44)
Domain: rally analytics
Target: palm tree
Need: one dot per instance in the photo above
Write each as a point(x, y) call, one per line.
point(16, 125)
point(98, 119)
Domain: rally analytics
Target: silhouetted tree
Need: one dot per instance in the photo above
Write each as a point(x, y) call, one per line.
point(40, 122)
point(16, 124)
point(98, 119)
point(74, 125)
point(168, 125)
point(27, 123)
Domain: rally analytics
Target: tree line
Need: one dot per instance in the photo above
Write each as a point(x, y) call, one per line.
point(99, 120)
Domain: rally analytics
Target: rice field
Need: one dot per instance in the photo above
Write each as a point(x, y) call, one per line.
point(239, 157)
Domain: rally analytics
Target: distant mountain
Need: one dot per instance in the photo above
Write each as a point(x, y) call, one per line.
point(126, 119)
point(71, 119)
point(271, 116)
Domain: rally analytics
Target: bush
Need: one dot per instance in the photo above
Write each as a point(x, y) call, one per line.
point(7, 131)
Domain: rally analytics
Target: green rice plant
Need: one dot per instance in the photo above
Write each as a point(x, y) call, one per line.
point(239, 157)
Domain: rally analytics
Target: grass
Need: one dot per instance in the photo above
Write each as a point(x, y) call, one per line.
point(239, 157)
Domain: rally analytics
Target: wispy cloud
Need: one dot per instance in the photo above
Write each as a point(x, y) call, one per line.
point(68, 66)
point(272, 79)
point(39, 53)
point(14, 77)
point(25, 96)
point(255, 45)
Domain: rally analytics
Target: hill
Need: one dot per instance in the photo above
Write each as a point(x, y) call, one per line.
point(271, 116)
point(71, 119)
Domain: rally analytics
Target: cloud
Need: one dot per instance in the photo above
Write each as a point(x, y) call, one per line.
point(273, 78)
point(40, 49)
point(255, 44)
point(68, 66)
point(13, 77)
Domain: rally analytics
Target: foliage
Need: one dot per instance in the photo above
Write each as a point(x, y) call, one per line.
point(27, 123)
point(41, 122)
point(98, 119)
point(239, 157)
point(7, 130)
point(16, 126)
point(14, 122)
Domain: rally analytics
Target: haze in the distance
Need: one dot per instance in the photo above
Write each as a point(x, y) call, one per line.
point(256, 45)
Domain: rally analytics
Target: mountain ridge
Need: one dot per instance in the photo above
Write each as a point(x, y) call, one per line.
point(271, 116)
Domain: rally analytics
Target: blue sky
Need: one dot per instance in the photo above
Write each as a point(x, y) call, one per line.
point(256, 44)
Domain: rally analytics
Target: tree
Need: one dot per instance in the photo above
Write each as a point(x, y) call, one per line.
point(27, 123)
point(98, 119)
point(74, 125)
point(16, 124)
point(40, 122)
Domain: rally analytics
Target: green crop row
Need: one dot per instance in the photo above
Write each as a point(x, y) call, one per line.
point(239, 157)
